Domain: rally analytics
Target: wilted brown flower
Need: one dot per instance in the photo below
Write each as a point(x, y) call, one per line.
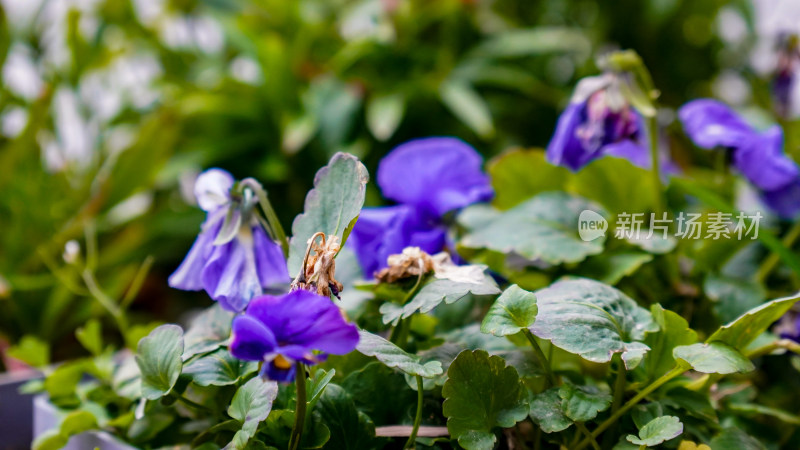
point(318, 273)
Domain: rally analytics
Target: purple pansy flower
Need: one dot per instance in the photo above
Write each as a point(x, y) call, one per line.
point(599, 122)
point(757, 155)
point(235, 271)
point(427, 178)
point(282, 330)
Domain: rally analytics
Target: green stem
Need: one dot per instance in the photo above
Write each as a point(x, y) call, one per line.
point(659, 204)
point(137, 282)
point(192, 404)
point(300, 409)
point(540, 355)
point(269, 212)
point(772, 260)
point(418, 418)
point(588, 434)
point(106, 302)
point(630, 404)
point(400, 332)
point(619, 385)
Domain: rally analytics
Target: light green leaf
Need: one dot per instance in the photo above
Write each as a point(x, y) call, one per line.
point(77, 422)
point(332, 206)
point(468, 106)
point(534, 41)
point(542, 228)
point(658, 430)
point(715, 357)
point(31, 350)
point(514, 310)
point(473, 378)
point(50, 440)
point(250, 405)
point(593, 320)
point(657, 244)
point(218, 368)
point(673, 332)
point(384, 114)
point(439, 290)
point(210, 330)
point(547, 412)
point(393, 356)
point(742, 331)
point(90, 336)
point(583, 403)
point(159, 359)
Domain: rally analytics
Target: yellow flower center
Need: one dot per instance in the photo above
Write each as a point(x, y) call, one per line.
point(282, 363)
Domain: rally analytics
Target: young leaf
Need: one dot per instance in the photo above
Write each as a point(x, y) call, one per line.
point(514, 310)
point(31, 350)
point(658, 430)
point(159, 359)
point(542, 228)
point(546, 411)
point(582, 403)
point(393, 356)
point(742, 331)
point(437, 291)
point(673, 331)
point(716, 357)
point(593, 320)
point(208, 331)
point(331, 207)
point(218, 368)
point(474, 378)
point(90, 336)
point(384, 114)
point(250, 405)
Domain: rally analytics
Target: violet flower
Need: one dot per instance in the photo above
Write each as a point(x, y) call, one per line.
point(427, 178)
point(283, 330)
point(758, 156)
point(239, 268)
point(599, 122)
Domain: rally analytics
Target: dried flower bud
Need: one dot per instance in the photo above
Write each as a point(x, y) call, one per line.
point(72, 251)
point(319, 269)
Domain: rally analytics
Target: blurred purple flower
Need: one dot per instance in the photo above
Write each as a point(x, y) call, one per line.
point(789, 326)
point(282, 330)
point(235, 271)
point(757, 155)
point(427, 178)
point(599, 122)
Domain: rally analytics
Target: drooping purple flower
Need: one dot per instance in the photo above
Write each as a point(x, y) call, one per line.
point(235, 271)
point(599, 122)
point(757, 155)
point(427, 178)
point(282, 330)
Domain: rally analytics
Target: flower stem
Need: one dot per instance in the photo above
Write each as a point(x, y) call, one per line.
point(619, 385)
point(106, 302)
point(630, 404)
point(540, 356)
point(772, 260)
point(582, 428)
point(659, 205)
point(269, 212)
point(300, 409)
point(418, 418)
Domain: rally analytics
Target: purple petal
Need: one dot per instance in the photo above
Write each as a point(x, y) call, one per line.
point(437, 175)
point(760, 158)
point(212, 189)
point(188, 276)
point(565, 149)
point(710, 123)
point(230, 277)
point(784, 201)
point(251, 339)
point(270, 263)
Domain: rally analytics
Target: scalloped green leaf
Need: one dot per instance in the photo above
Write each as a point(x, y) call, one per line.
point(543, 228)
point(219, 368)
point(158, 356)
point(481, 393)
point(583, 403)
point(514, 310)
point(742, 331)
point(546, 411)
point(714, 357)
point(208, 331)
point(251, 404)
point(658, 430)
point(393, 356)
point(332, 206)
point(593, 320)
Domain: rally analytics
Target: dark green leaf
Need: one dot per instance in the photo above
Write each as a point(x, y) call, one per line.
point(733, 297)
point(208, 331)
point(735, 439)
point(393, 356)
point(742, 331)
point(673, 331)
point(610, 268)
point(546, 411)
point(349, 429)
point(582, 403)
point(218, 368)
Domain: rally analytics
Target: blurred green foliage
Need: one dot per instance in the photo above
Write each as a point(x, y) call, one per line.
point(110, 106)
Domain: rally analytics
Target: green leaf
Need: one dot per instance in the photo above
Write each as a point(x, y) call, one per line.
point(542, 228)
point(715, 357)
point(50, 440)
point(593, 320)
point(439, 290)
point(349, 428)
point(218, 368)
point(658, 430)
point(468, 106)
point(546, 411)
point(77, 422)
point(395, 404)
point(733, 297)
point(331, 207)
point(657, 244)
point(90, 336)
point(534, 41)
point(735, 439)
point(384, 114)
point(673, 331)
point(609, 182)
point(514, 310)
point(511, 177)
point(159, 359)
point(611, 268)
point(742, 331)
point(62, 383)
point(393, 356)
point(31, 350)
point(209, 330)
point(481, 393)
point(250, 405)
point(583, 403)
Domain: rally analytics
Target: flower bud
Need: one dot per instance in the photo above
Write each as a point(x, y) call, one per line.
point(72, 251)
